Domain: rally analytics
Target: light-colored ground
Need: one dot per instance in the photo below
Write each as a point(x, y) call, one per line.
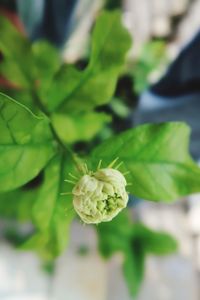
point(89, 277)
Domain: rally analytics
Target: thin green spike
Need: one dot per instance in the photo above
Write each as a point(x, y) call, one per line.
point(119, 165)
point(86, 168)
point(99, 164)
point(113, 162)
point(70, 181)
point(73, 176)
point(67, 193)
point(125, 173)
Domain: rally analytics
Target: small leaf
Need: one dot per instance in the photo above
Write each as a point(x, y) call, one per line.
point(158, 243)
point(25, 144)
point(79, 127)
point(157, 158)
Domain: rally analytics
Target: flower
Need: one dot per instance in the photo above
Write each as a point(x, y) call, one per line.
point(100, 196)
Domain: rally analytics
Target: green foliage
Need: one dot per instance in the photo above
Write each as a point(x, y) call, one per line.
point(52, 213)
point(55, 106)
point(135, 241)
point(16, 50)
point(20, 144)
point(157, 159)
point(73, 90)
point(79, 127)
point(47, 60)
point(18, 204)
point(30, 144)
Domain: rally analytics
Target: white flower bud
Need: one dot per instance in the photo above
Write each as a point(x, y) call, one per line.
point(99, 197)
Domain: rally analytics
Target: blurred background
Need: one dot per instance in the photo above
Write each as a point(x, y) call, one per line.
point(163, 84)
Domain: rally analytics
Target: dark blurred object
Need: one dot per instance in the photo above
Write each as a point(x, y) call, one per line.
point(47, 19)
point(176, 96)
point(113, 4)
point(8, 4)
point(183, 76)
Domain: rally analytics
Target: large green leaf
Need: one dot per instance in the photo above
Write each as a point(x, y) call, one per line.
point(25, 144)
point(157, 158)
point(52, 212)
point(79, 127)
point(74, 90)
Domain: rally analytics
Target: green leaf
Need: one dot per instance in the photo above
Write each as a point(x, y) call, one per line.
point(79, 127)
point(25, 144)
point(47, 63)
point(158, 243)
point(117, 236)
point(12, 71)
point(24, 64)
point(52, 212)
point(134, 241)
point(157, 158)
point(74, 90)
point(133, 267)
point(114, 236)
point(16, 50)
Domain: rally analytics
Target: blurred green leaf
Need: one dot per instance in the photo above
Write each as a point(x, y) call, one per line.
point(47, 62)
point(114, 236)
point(152, 57)
point(74, 90)
point(133, 266)
point(18, 204)
point(18, 62)
point(12, 71)
point(158, 243)
point(79, 127)
point(134, 241)
point(157, 158)
point(119, 107)
point(26, 65)
point(52, 212)
point(23, 97)
point(25, 144)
